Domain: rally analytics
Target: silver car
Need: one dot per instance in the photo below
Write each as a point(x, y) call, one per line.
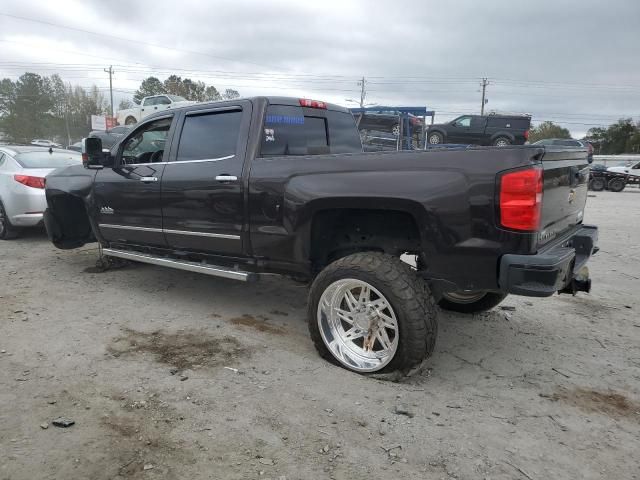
point(22, 173)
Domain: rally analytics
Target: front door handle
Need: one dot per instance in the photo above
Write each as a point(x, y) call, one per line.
point(148, 179)
point(226, 178)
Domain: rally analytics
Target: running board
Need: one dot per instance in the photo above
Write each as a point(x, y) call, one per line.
point(183, 265)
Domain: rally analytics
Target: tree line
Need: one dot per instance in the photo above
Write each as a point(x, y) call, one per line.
point(620, 137)
point(36, 106)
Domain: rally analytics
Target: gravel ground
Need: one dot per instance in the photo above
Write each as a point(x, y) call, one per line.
point(174, 375)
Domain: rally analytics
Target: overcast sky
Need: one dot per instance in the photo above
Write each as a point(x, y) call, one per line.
point(573, 62)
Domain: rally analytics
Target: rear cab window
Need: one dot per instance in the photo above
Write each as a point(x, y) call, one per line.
point(292, 130)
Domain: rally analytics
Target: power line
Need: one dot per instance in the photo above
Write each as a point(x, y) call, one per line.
point(130, 40)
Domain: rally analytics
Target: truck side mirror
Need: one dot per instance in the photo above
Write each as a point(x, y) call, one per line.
point(93, 156)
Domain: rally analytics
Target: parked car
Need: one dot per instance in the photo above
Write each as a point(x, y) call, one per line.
point(568, 142)
point(111, 136)
point(149, 105)
point(22, 173)
point(630, 168)
point(280, 185)
point(493, 129)
point(45, 143)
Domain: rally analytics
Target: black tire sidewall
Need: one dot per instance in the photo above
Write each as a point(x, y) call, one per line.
point(597, 184)
point(9, 232)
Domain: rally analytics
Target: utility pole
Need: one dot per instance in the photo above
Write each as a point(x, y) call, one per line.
point(363, 92)
point(483, 84)
point(110, 72)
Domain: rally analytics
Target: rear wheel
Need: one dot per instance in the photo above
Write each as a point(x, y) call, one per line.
point(395, 130)
point(7, 231)
point(617, 184)
point(369, 312)
point(130, 121)
point(502, 142)
point(435, 138)
point(470, 301)
point(597, 184)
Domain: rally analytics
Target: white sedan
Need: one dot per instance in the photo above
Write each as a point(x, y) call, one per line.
point(22, 178)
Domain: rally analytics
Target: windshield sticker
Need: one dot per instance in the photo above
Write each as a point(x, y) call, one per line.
point(269, 135)
point(285, 119)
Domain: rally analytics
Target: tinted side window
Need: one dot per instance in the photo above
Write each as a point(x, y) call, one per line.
point(162, 101)
point(149, 101)
point(464, 122)
point(292, 130)
point(209, 136)
point(146, 144)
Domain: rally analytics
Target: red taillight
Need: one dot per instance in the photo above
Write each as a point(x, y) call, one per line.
point(29, 181)
point(526, 134)
point(85, 159)
point(305, 102)
point(521, 199)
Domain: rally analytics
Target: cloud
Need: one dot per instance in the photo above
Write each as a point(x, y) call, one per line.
point(573, 62)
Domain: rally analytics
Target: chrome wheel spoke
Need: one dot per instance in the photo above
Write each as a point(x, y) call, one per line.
point(365, 295)
point(386, 321)
point(383, 338)
point(352, 303)
point(344, 316)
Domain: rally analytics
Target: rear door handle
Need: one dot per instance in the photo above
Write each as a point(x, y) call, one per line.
point(226, 178)
point(148, 179)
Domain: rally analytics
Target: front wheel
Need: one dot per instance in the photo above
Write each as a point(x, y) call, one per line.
point(130, 121)
point(369, 312)
point(470, 301)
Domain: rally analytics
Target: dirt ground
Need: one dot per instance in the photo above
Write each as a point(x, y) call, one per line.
point(174, 375)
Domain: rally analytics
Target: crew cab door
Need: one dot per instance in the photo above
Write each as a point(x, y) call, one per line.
point(149, 106)
point(127, 196)
point(458, 130)
point(202, 187)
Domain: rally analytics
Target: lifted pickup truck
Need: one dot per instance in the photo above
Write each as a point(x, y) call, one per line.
point(280, 185)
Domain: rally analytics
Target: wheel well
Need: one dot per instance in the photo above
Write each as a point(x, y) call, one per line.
point(341, 232)
point(72, 225)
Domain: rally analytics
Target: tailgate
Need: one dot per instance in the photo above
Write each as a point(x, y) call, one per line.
point(566, 176)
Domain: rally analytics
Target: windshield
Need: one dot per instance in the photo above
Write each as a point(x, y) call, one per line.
point(45, 159)
point(177, 98)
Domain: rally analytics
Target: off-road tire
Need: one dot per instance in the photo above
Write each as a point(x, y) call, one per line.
point(7, 231)
point(408, 294)
point(489, 301)
point(616, 185)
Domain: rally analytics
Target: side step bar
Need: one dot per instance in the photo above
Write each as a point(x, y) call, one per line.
point(182, 265)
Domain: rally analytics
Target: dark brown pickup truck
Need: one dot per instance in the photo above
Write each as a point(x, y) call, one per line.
point(281, 185)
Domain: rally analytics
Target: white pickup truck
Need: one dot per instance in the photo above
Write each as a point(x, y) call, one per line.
point(149, 105)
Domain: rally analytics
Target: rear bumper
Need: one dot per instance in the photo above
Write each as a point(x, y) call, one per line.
point(557, 269)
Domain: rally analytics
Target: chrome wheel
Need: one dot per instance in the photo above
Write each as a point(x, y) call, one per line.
point(502, 143)
point(358, 325)
point(396, 130)
point(464, 296)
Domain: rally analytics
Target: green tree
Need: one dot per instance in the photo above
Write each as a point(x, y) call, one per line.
point(211, 94)
point(548, 130)
point(29, 109)
point(149, 86)
point(621, 137)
